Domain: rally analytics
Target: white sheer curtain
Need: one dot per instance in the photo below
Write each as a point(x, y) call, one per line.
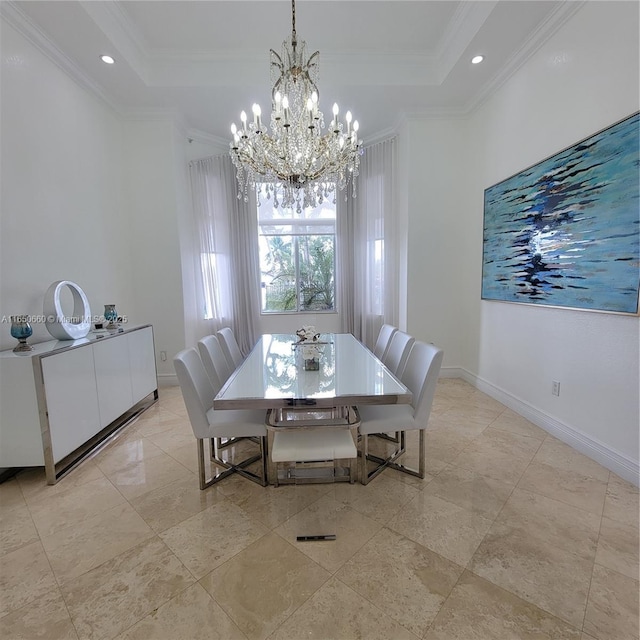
point(368, 265)
point(226, 237)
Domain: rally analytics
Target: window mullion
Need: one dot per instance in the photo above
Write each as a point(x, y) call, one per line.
point(297, 268)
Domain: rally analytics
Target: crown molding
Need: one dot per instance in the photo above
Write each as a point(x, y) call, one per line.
point(208, 138)
point(463, 27)
point(15, 17)
point(381, 136)
point(153, 114)
point(536, 40)
point(114, 22)
point(408, 117)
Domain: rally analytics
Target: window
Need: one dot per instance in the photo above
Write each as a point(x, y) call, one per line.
point(297, 257)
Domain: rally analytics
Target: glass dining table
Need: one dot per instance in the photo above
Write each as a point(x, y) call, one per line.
point(273, 377)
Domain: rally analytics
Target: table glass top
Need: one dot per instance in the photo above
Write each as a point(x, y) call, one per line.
point(273, 376)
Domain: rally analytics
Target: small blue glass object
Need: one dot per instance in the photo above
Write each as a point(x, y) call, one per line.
point(110, 315)
point(21, 330)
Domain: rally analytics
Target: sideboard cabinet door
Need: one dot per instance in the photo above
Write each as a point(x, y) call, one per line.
point(142, 359)
point(113, 378)
point(72, 399)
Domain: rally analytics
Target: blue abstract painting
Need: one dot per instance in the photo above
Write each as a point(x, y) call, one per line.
point(566, 232)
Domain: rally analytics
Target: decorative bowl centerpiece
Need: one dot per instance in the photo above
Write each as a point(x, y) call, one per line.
point(310, 347)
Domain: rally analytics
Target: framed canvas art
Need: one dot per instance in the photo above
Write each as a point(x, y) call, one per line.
point(566, 231)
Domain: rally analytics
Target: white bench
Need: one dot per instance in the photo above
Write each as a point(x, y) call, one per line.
point(312, 450)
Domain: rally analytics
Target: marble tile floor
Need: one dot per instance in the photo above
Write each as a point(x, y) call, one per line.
point(513, 535)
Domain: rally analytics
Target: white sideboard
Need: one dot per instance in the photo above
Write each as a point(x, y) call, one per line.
point(61, 400)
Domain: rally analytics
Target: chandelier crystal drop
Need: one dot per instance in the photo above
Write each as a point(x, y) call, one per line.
point(298, 164)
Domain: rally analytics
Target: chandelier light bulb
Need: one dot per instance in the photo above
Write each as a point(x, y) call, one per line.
point(336, 109)
point(234, 129)
point(278, 105)
point(256, 117)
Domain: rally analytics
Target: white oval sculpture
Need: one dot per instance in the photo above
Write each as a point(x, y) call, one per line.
point(63, 327)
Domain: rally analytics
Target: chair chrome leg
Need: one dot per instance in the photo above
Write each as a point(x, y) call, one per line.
point(390, 462)
point(264, 450)
point(229, 467)
point(364, 454)
point(420, 473)
point(202, 478)
point(272, 467)
point(201, 468)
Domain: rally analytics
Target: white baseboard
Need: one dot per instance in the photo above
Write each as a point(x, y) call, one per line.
point(167, 380)
point(611, 459)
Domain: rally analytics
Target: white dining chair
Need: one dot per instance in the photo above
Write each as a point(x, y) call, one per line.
point(214, 361)
point(218, 369)
point(330, 448)
point(420, 376)
point(398, 352)
point(230, 347)
point(384, 338)
point(302, 439)
point(209, 424)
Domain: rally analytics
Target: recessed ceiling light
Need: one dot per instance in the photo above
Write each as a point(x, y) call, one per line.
point(477, 59)
point(107, 59)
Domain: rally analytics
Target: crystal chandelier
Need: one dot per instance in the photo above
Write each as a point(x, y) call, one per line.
point(297, 164)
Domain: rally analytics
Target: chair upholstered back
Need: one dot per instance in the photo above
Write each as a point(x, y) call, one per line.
point(384, 338)
point(209, 425)
point(197, 390)
point(214, 360)
point(230, 347)
point(420, 375)
point(398, 352)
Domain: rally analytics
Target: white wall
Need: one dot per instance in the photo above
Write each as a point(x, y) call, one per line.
point(156, 196)
point(88, 197)
point(62, 211)
point(434, 177)
point(583, 79)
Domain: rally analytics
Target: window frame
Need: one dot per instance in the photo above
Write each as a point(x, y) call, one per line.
point(292, 221)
